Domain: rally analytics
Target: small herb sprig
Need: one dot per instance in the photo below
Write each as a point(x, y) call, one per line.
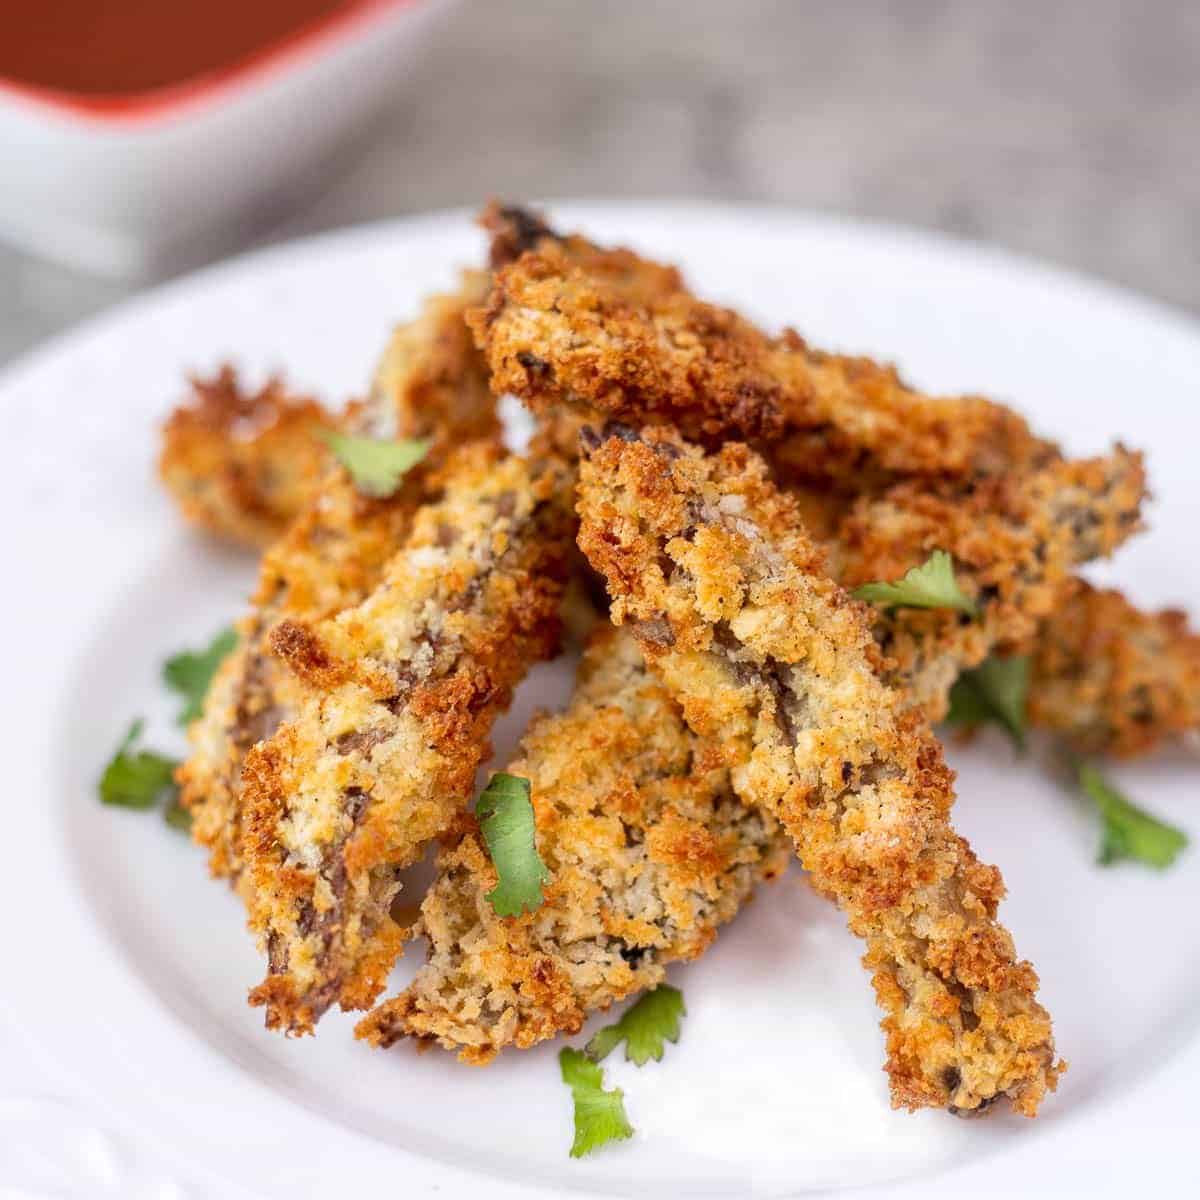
point(145, 779)
point(505, 814)
point(931, 585)
point(645, 1028)
point(376, 466)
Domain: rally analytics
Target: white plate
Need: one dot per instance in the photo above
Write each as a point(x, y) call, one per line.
point(133, 1066)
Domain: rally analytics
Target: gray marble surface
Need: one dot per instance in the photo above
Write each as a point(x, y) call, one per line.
point(1066, 129)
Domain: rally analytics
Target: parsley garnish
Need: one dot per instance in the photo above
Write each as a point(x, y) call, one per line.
point(931, 585)
point(505, 816)
point(599, 1115)
point(136, 779)
point(1129, 832)
point(996, 690)
point(190, 672)
point(376, 466)
point(643, 1028)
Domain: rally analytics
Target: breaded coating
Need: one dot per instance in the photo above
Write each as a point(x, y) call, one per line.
point(513, 232)
point(400, 695)
point(330, 558)
point(1015, 539)
point(242, 464)
point(649, 849)
point(1112, 679)
point(245, 465)
point(777, 665)
point(431, 383)
point(567, 321)
point(431, 378)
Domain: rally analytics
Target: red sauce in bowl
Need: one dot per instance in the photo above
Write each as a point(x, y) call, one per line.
point(124, 48)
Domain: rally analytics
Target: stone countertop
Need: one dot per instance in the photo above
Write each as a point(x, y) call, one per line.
point(1065, 130)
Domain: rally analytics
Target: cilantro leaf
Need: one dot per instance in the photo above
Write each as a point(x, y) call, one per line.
point(996, 690)
point(136, 779)
point(1129, 832)
point(376, 466)
point(599, 1115)
point(931, 585)
point(190, 672)
point(505, 816)
point(643, 1028)
point(176, 816)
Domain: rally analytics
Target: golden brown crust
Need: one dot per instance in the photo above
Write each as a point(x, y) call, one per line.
point(777, 665)
point(569, 321)
point(242, 464)
point(399, 695)
point(1016, 540)
point(649, 852)
point(430, 378)
point(512, 230)
point(431, 383)
point(330, 558)
point(1112, 679)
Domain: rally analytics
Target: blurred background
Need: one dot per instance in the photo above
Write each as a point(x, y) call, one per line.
point(1065, 129)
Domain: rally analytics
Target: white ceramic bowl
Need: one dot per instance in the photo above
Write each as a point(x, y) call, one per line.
point(125, 186)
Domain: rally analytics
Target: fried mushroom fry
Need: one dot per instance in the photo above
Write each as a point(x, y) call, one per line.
point(775, 664)
point(650, 851)
point(1015, 539)
point(567, 321)
point(1112, 679)
point(244, 465)
point(400, 695)
point(431, 383)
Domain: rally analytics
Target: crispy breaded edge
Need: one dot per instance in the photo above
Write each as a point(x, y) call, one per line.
point(244, 465)
point(1112, 679)
point(401, 692)
point(568, 321)
point(331, 557)
point(770, 659)
point(241, 464)
point(1016, 541)
point(431, 382)
point(649, 851)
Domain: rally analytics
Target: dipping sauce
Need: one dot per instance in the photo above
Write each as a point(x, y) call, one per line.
point(125, 47)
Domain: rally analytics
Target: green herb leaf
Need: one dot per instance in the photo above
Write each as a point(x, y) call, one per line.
point(136, 779)
point(643, 1028)
point(190, 672)
point(599, 1115)
point(177, 816)
point(1129, 832)
point(931, 585)
point(505, 815)
point(995, 691)
point(376, 466)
